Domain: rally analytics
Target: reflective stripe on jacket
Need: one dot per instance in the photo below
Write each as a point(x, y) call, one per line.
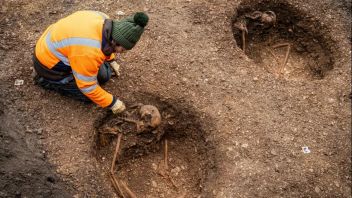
point(76, 41)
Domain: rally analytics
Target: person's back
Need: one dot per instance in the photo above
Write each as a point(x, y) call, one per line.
point(79, 34)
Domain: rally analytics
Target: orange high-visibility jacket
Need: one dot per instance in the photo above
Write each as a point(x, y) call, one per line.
point(76, 41)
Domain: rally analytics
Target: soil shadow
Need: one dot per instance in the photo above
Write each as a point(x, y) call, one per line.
point(24, 171)
point(295, 34)
point(191, 158)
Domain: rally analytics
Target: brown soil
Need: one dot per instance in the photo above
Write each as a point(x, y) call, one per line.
point(235, 123)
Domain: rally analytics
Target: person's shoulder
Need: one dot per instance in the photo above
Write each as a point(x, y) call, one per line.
point(91, 13)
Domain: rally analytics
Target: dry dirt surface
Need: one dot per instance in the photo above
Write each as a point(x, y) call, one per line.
point(236, 121)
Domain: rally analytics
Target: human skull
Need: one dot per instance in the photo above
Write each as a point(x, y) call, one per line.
point(268, 17)
point(150, 116)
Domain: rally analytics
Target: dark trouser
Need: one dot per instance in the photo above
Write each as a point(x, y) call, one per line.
point(64, 82)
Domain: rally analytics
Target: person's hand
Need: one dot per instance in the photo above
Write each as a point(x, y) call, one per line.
point(116, 67)
point(118, 107)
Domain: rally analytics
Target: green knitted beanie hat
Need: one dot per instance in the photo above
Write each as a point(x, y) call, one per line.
point(127, 32)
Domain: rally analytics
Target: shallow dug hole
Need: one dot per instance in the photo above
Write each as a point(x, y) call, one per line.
point(268, 39)
point(141, 162)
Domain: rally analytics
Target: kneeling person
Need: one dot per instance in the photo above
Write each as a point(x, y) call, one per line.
point(73, 55)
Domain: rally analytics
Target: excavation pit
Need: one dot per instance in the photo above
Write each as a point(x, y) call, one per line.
point(289, 43)
point(141, 163)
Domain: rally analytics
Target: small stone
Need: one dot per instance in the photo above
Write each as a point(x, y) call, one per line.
point(305, 149)
point(176, 170)
point(317, 189)
point(120, 13)
point(171, 122)
point(154, 184)
point(255, 79)
point(244, 145)
point(19, 82)
point(154, 166)
point(273, 152)
point(337, 184)
point(28, 130)
point(331, 100)
point(40, 131)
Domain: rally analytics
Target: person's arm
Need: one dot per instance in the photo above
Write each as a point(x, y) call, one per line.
point(85, 71)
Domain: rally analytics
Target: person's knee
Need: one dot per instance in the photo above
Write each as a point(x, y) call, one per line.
point(104, 73)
